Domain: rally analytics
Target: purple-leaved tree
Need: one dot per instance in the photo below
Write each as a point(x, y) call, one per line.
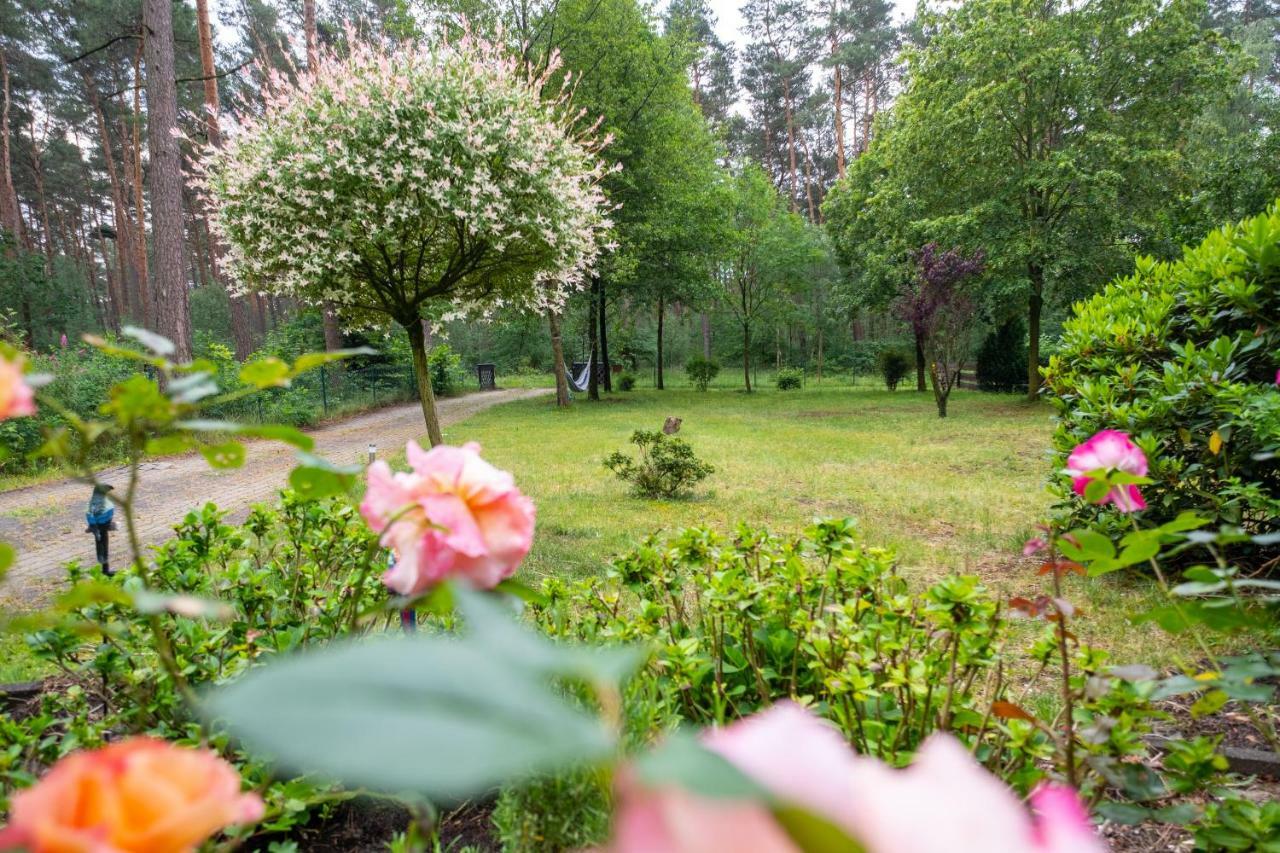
point(937, 307)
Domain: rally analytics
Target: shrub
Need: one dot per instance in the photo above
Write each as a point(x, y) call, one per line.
point(894, 367)
point(1002, 358)
point(863, 357)
point(627, 382)
point(701, 371)
point(445, 366)
point(739, 624)
point(789, 378)
point(667, 467)
point(1183, 356)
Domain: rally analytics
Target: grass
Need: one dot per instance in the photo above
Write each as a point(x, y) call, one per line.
point(954, 494)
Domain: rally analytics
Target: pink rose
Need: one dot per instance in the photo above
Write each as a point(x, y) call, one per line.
point(453, 515)
point(136, 796)
point(945, 801)
point(1109, 450)
point(16, 397)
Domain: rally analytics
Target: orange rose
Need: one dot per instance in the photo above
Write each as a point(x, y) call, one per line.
point(137, 796)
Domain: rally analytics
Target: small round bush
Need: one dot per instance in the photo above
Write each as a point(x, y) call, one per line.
point(701, 371)
point(666, 467)
point(1002, 358)
point(894, 367)
point(627, 382)
point(1184, 357)
point(790, 378)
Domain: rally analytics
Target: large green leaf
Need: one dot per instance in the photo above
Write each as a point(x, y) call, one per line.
point(442, 716)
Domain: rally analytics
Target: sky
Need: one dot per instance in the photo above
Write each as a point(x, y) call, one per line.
point(729, 18)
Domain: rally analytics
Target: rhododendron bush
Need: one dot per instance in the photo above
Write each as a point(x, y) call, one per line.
point(1183, 357)
point(381, 183)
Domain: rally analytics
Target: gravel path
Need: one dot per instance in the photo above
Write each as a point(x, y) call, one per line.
point(46, 522)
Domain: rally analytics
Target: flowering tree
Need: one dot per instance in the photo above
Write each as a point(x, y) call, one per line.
point(383, 182)
point(939, 313)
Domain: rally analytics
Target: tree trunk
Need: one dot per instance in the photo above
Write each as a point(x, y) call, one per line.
point(126, 269)
point(1035, 304)
point(169, 286)
point(838, 107)
point(132, 154)
point(593, 343)
point(557, 357)
point(606, 371)
point(10, 217)
point(37, 169)
point(662, 310)
point(422, 372)
point(746, 355)
point(706, 336)
point(309, 30)
point(242, 330)
point(820, 347)
point(791, 143)
point(920, 363)
point(941, 385)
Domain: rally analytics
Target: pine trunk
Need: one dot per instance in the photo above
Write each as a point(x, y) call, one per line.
point(168, 285)
point(10, 216)
point(133, 160)
point(838, 109)
point(126, 270)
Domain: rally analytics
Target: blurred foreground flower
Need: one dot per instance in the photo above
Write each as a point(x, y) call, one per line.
point(16, 397)
point(1109, 450)
point(137, 796)
point(944, 803)
point(453, 515)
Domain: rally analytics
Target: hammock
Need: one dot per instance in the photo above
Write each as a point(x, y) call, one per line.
point(579, 382)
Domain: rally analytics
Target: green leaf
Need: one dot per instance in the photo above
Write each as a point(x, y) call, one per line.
point(312, 360)
point(1128, 814)
point(146, 601)
point(158, 344)
point(1210, 703)
point(494, 626)
point(682, 761)
point(164, 445)
point(273, 432)
point(7, 557)
point(313, 483)
point(443, 717)
point(813, 833)
point(228, 454)
point(269, 372)
point(1088, 545)
point(525, 593)
point(1139, 551)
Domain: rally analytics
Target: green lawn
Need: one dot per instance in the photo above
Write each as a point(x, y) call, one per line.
point(954, 494)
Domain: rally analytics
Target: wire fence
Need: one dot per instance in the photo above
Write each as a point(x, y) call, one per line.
point(326, 392)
